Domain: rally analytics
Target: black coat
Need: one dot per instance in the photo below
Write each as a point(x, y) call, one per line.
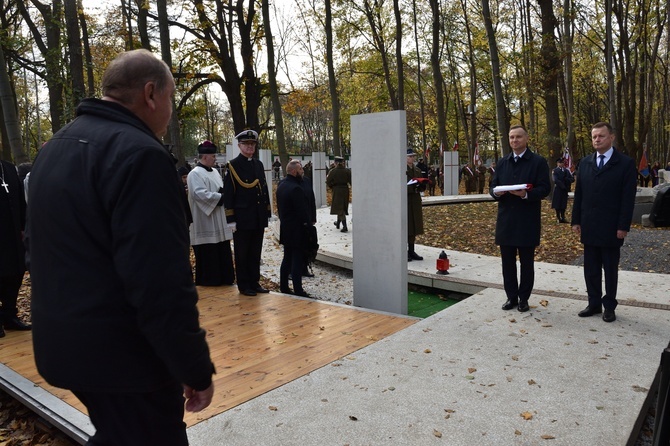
point(605, 199)
point(113, 299)
point(562, 180)
point(245, 194)
point(13, 210)
point(294, 217)
point(519, 220)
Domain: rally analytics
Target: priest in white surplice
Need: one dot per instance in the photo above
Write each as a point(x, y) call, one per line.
point(210, 233)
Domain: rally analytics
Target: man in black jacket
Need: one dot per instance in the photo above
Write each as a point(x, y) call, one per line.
point(519, 215)
point(602, 213)
point(247, 203)
point(12, 266)
point(113, 301)
point(294, 220)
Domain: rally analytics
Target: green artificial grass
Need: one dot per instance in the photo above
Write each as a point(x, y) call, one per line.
point(423, 304)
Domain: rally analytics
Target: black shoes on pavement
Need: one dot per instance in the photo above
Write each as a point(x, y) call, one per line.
point(522, 305)
point(608, 315)
point(509, 305)
point(411, 255)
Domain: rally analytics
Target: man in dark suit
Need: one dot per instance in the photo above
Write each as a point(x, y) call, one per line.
point(247, 204)
point(518, 224)
point(294, 220)
point(602, 213)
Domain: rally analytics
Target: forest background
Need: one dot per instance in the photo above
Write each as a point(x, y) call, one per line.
point(463, 70)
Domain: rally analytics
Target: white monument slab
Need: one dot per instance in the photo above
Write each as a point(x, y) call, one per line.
point(379, 202)
point(319, 163)
point(451, 168)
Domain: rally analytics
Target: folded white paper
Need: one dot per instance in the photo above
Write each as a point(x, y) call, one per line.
point(511, 187)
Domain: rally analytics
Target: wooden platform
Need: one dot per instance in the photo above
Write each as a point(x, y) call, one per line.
point(257, 343)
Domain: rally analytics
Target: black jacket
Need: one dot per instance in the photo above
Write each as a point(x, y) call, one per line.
point(605, 199)
point(293, 209)
point(113, 299)
point(519, 220)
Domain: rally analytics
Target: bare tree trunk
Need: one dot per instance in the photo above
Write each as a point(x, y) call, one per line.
point(142, 28)
point(51, 51)
point(76, 66)
point(173, 135)
point(11, 124)
point(609, 63)
point(472, 108)
point(88, 59)
point(551, 64)
point(502, 117)
point(418, 80)
point(398, 56)
point(568, 17)
point(272, 84)
point(332, 80)
point(438, 79)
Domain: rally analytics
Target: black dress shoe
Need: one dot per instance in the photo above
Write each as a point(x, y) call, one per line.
point(286, 290)
point(409, 257)
point(344, 230)
point(588, 311)
point(509, 305)
point(260, 289)
point(307, 274)
point(248, 292)
point(337, 224)
point(301, 293)
point(523, 306)
point(415, 256)
point(609, 316)
point(2, 332)
point(14, 323)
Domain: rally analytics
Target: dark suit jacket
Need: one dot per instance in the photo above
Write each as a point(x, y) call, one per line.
point(293, 211)
point(519, 220)
point(604, 200)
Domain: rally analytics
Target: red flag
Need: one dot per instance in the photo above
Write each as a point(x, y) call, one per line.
point(477, 160)
point(568, 159)
point(644, 165)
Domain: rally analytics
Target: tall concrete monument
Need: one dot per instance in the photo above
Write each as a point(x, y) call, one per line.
point(379, 203)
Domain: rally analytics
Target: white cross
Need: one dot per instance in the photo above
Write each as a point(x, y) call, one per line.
point(4, 184)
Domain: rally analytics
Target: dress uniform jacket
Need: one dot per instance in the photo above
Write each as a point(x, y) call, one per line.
point(519, 220)
point(339, 179)
point(414, 210)
point(245, 194)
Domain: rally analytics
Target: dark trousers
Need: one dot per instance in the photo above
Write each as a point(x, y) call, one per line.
point(518, 290)
point(214, 264)
point(293, 263)
point(9, 291)
point(597, 259)
point(248, 246)
point(137, 419)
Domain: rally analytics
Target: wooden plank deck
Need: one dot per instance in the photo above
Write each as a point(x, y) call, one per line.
point(257, 343)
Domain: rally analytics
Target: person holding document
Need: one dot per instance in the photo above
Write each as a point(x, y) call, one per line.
point(520, 182)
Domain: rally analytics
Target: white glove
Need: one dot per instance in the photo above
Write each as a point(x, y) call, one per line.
point(232, 226)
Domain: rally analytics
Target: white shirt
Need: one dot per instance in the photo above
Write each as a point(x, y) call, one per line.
point(607, 154)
